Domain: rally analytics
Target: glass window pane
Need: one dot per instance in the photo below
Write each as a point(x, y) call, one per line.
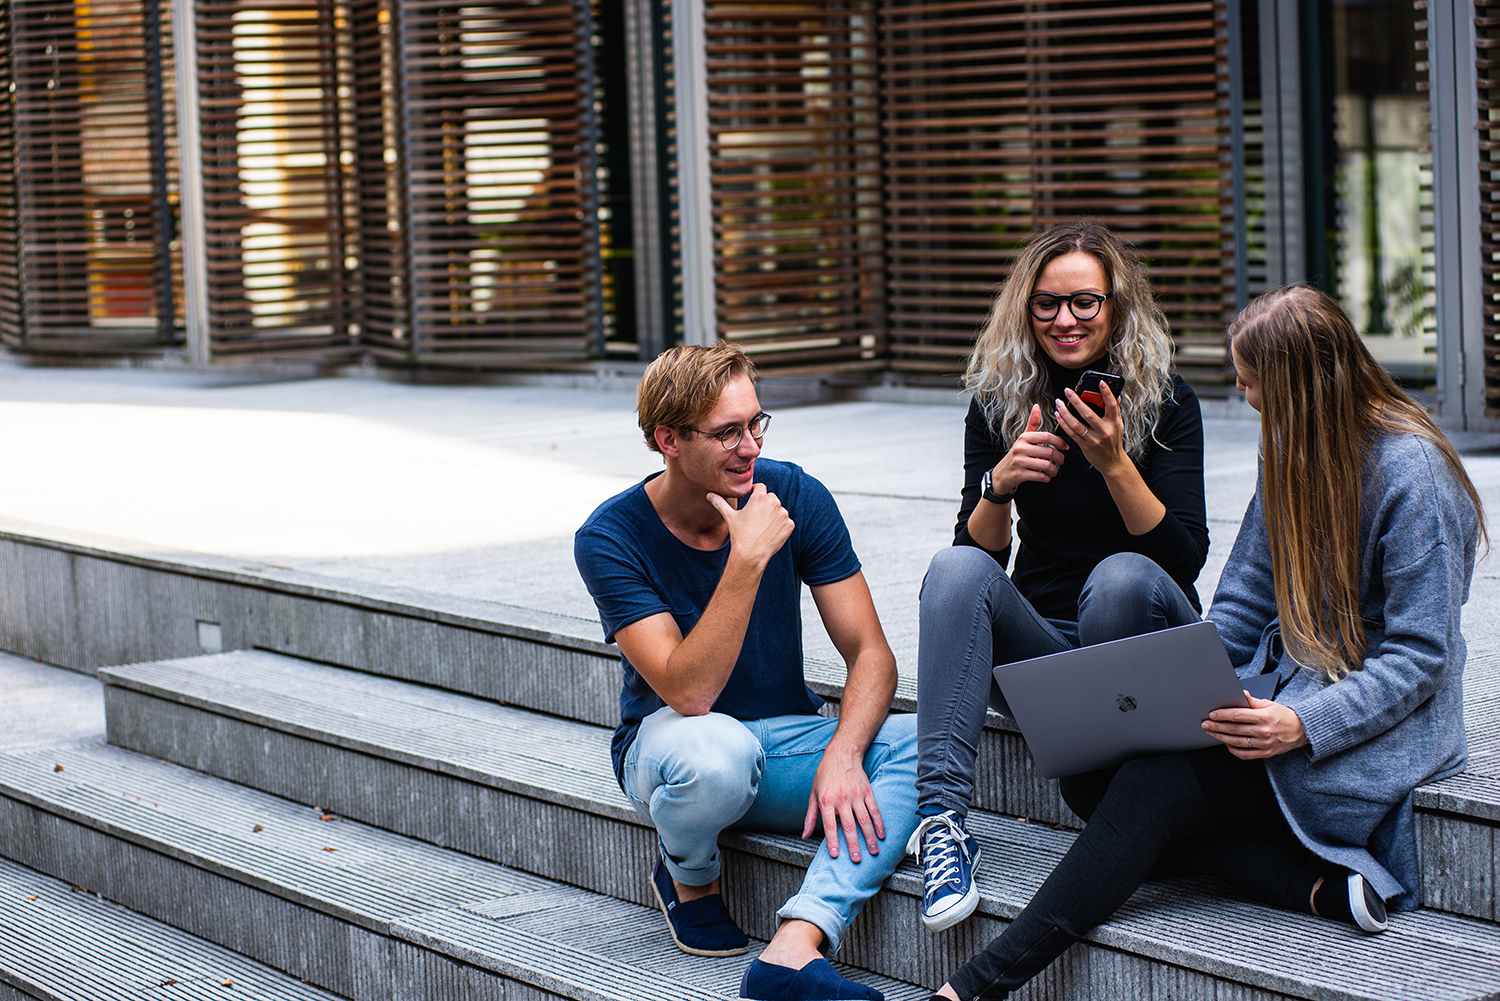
point(1381, 244)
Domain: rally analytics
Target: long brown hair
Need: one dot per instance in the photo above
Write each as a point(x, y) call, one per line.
point(1323, 401)
point(1006, 373)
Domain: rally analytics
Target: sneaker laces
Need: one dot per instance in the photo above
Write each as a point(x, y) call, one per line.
point(941, 844)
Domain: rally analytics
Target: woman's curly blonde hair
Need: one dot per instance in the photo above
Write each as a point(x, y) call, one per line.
point(1006, 372)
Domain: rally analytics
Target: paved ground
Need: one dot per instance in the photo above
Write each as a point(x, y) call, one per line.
point(46, 706)
point(475, 491)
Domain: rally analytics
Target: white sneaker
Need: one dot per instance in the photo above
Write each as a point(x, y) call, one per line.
point(1366, 906)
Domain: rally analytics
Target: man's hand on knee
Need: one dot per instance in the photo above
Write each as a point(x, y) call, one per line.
point(842, 797)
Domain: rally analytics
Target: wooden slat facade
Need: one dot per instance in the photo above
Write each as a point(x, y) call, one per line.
point(498, 193)
point(384, 305)
point(85, 262)
point(420, 179)
point(1487, 64)
point(794, 154)
point(276, 124)
point(12, 329)
point(960, 169)
point(1002, 119)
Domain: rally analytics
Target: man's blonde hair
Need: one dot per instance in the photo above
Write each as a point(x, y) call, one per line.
point(682, 386)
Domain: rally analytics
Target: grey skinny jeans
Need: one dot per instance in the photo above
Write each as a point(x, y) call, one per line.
point(972, 618)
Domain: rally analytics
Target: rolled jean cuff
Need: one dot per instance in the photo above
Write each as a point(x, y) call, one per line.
point(690, 877)
point(805, 907)
point(687, 877)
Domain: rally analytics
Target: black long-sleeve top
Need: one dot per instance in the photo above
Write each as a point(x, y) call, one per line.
point(1068, 525)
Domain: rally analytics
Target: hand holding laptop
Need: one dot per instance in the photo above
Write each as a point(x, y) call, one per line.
point(1156, 693)
point(1264, 730)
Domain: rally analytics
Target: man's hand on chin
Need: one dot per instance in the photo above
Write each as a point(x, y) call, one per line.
point(759, 528)
point(842, 797)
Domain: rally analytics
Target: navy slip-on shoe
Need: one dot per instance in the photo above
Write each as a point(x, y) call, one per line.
point(817, 981)
point(699, 927)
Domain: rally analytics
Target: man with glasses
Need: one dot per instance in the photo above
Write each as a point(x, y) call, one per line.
point(697, 574)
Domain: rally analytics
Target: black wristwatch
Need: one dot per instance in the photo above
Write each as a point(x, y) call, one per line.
point(986, 490)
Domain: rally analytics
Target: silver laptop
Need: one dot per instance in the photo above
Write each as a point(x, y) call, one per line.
point(1098, 706)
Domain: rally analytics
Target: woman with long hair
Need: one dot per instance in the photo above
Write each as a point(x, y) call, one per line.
point(1109, 498)
point(1346, 583)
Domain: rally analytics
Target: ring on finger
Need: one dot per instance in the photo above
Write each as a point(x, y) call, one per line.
point(1247, 742)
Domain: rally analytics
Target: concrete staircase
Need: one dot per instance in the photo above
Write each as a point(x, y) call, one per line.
point(62, 942)
point(419, 805)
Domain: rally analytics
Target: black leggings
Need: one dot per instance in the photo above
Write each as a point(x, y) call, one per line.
point(1201, 813)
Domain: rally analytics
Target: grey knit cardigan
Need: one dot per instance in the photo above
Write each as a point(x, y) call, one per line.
point(1397, 723)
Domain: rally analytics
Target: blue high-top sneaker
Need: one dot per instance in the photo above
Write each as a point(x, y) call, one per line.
point(948, 855)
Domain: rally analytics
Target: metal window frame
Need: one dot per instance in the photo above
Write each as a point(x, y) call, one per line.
point(1456, 213)
point(1234, 43)
point(649, 191)
point(194, 232)
point(1455, 181)
point(1281, 104)
point(694, 188)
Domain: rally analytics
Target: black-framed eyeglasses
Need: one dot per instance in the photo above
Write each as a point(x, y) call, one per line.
point(731, 437)
point(1083, 305)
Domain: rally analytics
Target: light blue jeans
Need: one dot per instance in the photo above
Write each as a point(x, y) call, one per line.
point(972, 618)
point(691, 777)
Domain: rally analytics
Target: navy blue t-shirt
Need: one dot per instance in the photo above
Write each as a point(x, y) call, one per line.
point(635, 567)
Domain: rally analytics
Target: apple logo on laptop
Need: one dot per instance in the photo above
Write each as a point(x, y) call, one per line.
point(1125, 702)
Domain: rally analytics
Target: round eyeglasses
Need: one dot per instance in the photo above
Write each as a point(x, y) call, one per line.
point(731, 436)
point(1083, 305)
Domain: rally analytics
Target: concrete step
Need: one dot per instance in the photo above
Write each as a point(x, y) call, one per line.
point(339, 712)
point(535, 792)
point(365, 913)
point(45, 921)
point(86, 603)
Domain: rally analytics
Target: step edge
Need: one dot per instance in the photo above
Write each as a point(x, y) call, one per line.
point(1120, 937)
point(412, 759)
point(519, 622)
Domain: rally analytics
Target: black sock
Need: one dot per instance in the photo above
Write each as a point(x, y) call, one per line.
point(1332, 898)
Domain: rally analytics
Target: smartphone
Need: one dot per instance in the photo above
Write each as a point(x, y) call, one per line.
point(1088, 388)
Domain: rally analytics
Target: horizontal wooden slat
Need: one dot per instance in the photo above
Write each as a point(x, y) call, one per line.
point(489, 170)
point(796, 182)
point(275, 121)
point(81, 200)
point(1100, 93)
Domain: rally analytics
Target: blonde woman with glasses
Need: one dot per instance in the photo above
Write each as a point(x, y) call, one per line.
point(1105, 484)
point(1346, 583)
